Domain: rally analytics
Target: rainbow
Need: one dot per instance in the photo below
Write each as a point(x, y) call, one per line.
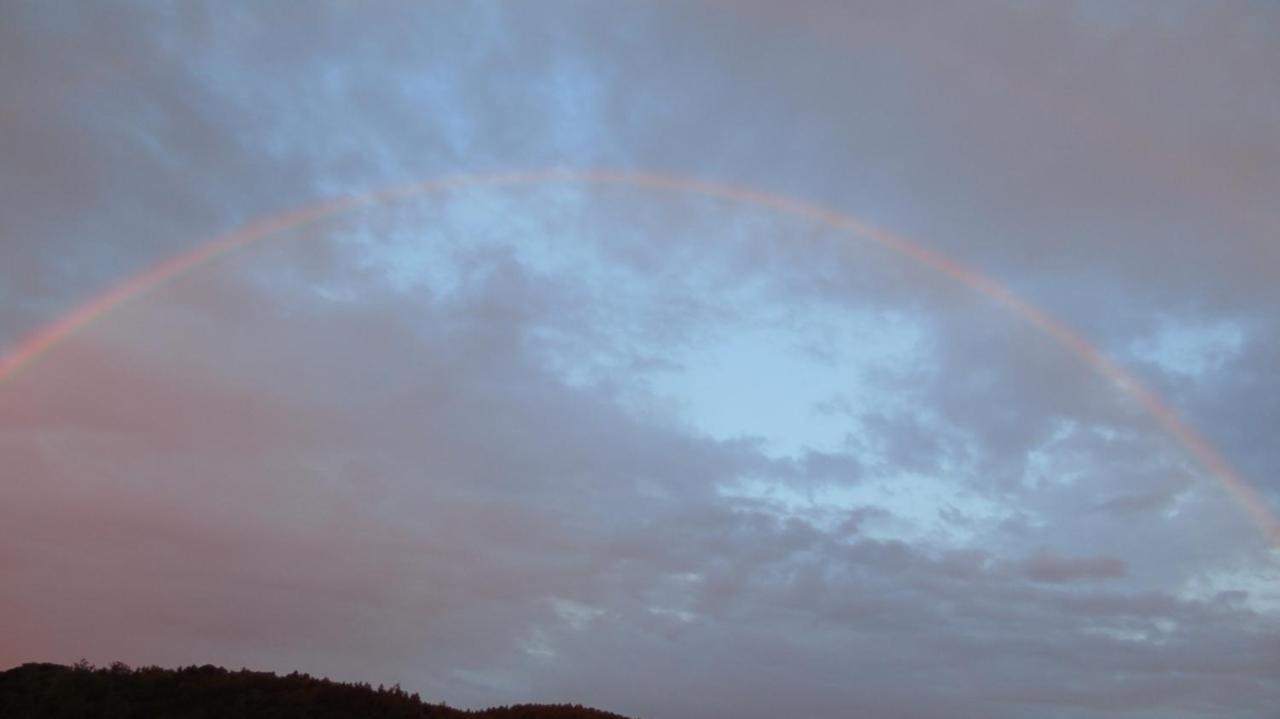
point(44, 340)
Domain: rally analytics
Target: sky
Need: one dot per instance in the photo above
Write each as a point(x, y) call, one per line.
point(657, 451)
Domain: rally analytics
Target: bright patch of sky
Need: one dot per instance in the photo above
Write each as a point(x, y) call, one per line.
point(1246, 587)
point(762, 382)
point(575, 614)
point(1191, 348)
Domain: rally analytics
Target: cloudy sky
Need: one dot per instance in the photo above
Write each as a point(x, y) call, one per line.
point(669, 454)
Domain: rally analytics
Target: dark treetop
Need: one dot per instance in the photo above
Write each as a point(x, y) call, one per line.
point(52, 691)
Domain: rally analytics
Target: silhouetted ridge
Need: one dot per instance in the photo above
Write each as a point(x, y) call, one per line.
point(53, 691)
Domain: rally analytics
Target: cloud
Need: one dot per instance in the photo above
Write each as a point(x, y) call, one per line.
point(1052, 568)
point(669, 455)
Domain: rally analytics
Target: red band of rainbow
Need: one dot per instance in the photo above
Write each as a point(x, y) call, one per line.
point(1200, 449)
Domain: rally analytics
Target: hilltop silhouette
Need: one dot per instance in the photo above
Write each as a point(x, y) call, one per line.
point(53, 691)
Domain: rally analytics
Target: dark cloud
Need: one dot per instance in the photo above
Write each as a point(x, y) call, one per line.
point(1048, 567)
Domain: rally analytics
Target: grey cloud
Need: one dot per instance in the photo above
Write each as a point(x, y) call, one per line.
point(1157, 499)
point(1048, 567)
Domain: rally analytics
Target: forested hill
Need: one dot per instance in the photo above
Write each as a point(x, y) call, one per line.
point(52, 691)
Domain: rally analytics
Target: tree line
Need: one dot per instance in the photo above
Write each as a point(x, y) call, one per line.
point(83, 691)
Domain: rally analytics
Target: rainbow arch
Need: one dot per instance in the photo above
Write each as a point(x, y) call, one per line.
point(44, 340)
